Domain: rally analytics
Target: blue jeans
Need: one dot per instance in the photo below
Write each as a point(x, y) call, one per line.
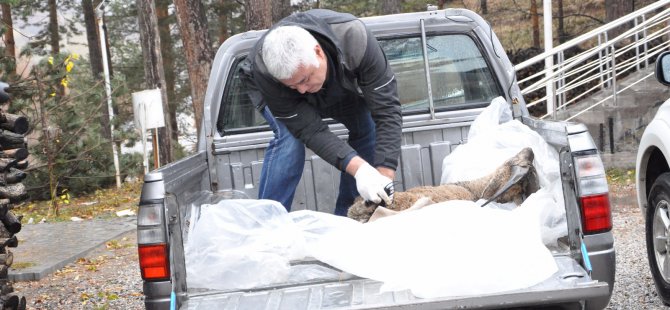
point(285, 156)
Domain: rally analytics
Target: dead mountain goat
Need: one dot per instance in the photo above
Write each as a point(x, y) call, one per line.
point(517, 175)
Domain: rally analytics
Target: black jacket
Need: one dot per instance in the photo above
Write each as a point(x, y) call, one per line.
point(363, 70)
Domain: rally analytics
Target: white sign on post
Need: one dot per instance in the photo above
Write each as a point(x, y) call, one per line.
point(148, 109)
point(148, 112)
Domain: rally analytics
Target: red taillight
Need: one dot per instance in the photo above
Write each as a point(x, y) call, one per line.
point(154, 261)
point(596, 213)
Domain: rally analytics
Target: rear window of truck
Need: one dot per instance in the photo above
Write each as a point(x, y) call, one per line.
point(460, 79)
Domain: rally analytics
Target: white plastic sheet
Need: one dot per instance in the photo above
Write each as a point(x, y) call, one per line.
point(452, 248)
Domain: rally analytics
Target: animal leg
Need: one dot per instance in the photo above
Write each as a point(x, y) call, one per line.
point(422, 202)
point(384, 212)
point(381, 212)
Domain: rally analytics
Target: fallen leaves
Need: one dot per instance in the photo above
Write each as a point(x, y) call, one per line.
point(92, 264)
point(104, 203)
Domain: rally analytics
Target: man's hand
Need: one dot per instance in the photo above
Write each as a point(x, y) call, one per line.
point(371, 184)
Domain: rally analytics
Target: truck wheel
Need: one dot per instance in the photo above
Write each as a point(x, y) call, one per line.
point(657, 227)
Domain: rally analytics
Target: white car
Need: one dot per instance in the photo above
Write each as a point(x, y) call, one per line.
point(653, 186)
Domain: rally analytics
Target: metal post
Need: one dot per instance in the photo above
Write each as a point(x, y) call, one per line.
point(607, 64)
point(549, 61)
point(108, 87)
point(644, 35)
point(637, 46)
point(614, 88)
point(610, 120)
point(157, 160)
point(600, 63)
point(424, 47)
point(560, 88)
point(602, 137)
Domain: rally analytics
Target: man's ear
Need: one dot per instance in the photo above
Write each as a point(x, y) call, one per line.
point(319, 51)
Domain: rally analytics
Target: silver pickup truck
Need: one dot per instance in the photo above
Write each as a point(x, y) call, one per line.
point(449, 66)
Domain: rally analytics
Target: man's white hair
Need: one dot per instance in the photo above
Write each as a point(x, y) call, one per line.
point(286, 48)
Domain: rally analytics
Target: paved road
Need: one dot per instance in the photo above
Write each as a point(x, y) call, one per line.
point(46, 247)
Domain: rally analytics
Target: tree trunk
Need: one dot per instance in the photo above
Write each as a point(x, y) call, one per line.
point(168, 65)
point(483, 7)
point(153, 67)
point(562, 36)
point(108, 45)
point(95, 57)
point(93, 38)
point(615, 9)
point(54, 39)
point(440, 4)
point(197, 50)
point(10, 47)
point(536, 24)
point(223, 21)
point(258, 14)
point(281, 9)
point(390, 7)
point(47, 146)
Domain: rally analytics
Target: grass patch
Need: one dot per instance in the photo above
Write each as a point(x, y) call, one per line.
point(620, 176)
point(102, 204)
point(22, 265)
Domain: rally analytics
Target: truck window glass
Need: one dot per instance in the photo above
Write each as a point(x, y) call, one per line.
point(237, 110)
point(459, 74)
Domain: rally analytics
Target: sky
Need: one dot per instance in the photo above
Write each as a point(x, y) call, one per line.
point(23, 35)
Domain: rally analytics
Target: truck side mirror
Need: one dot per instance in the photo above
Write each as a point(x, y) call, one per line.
point(4, 95)
point(663, 68)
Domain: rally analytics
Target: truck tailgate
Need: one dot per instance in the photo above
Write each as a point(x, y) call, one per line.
point(568, 285)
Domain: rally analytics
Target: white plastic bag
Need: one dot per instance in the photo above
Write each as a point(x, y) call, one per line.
point(241, 244)
point(493, 138)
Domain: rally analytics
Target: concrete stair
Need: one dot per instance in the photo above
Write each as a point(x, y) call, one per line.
point(623, 120)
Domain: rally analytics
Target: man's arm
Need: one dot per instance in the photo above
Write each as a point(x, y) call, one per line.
point(357, 161)
point(379, 87)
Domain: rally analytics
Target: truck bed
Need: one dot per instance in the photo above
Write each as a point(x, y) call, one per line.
point(571, 282)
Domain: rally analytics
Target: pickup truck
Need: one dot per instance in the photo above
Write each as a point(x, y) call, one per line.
point(449, 65)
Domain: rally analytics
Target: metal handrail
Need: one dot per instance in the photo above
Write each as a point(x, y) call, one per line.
point(601, 62)
point(593, 33)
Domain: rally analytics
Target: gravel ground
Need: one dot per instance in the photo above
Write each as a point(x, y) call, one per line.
point(633, 286)
point(108, 278)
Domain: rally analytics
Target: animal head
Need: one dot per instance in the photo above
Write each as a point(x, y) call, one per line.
point(526, 185)
point(361, 210)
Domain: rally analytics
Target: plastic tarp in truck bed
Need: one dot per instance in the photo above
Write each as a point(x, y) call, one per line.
point(249, 254)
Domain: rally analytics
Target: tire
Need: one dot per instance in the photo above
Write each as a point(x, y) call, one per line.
point(657, 223)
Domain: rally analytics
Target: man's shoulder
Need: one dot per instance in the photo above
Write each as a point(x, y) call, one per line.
point(329, 16)
point(352, 39)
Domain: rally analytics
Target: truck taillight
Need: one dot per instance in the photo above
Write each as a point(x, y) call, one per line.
point(596, 214)
point(593, 194)
point(154, 263)
point(151, 242)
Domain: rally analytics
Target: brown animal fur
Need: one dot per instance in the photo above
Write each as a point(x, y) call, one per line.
point(483, 188)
